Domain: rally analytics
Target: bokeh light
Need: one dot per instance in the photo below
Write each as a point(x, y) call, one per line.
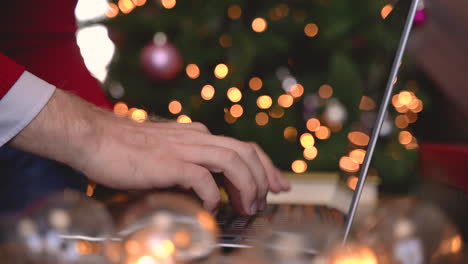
point(351, 182)
point(234, 94)
point(221, 71)
point(313, 124)
point(126, 6)
point(404, 97)
point(121, 109)
point(386, 10)
point(255, 83)
point(285, 100)
point(311, 30)
point(325, 91)
point(229, 118)
point(412, 117)
point(175, 107)
point(259, 25)
point(112, 11)
point(358, 138)
point(168, 4)
point(264, 102)
point(323, 133)
point(358, 155)
point(367, 104)
point(405, 137)
point(310, 153)
point(139, 115)
point(401, 121)
point(234, 12)
point(236, 110)
point(207, 92)
point(307, 140)
point(296, 90)
point(290, 133)
point(139, 2)
point(261, 118)
point(299, 166)
point(192, 71)
point(348, 164)
point(276, 112)
point(184, 119)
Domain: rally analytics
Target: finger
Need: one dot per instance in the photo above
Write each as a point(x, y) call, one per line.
point(276, 179)
point(219, 159)
point(201, 181)
point(247, 153)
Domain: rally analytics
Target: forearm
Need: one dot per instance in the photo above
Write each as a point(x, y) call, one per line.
point(61, 130)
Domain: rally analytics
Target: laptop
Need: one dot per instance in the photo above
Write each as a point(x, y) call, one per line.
point(241, 231)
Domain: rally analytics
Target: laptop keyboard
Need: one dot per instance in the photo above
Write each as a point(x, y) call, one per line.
point(275, 216)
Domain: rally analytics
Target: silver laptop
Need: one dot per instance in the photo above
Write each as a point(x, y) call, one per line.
point(240, 232)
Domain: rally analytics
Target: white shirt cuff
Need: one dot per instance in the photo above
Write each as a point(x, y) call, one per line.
point(21, 104)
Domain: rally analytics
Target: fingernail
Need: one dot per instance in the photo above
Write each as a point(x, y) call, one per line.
point(254, 208)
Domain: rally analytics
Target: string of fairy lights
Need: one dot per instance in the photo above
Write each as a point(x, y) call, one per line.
point(406, 103)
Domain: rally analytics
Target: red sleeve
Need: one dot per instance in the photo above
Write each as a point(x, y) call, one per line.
point(10, 71)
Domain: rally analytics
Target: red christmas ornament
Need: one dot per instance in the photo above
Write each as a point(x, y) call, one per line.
point(161, 61)
point(420, 16)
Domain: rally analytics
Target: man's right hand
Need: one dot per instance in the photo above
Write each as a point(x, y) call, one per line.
point(122, 154)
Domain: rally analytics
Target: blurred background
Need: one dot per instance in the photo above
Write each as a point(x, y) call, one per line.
point(303, 79)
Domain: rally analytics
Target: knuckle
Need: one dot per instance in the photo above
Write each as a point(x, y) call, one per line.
point(231, 156)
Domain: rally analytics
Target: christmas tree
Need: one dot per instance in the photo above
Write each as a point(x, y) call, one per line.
point(301, 78)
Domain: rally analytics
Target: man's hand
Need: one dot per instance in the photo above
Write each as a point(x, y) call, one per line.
point(119, 153)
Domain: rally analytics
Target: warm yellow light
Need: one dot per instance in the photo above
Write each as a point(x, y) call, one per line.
point(84, 247)
point(225, 41)
point(146, 260)
point(456, 244)
point(259, 24)
point(261, 118)
point(175, 107)
point(234, 94)
point(184, 119)
point(353, 254)
point(207, 92)
point(325, 91)
point(311, 30)
point(413, 144)
point(395, 102)
point(403, 109)
point(313, 124)
point(139, 115)
point(264, 102)
point(276, 112)
point(255, 83)
point(121, 109)
point(221, 71)
point(290, 133)
point(285, 100)
point(386, 10)
point(419, 107)
point(192, 71)
point(234, 12)
point(358, 155)
point(323, 132)
point(367, 104)
point(182, 238)
point(112, 10)
point(296, 90)
point(168, 4)
point(310, 153)
point(358, 138)
point(126, 6)
point(207, 221)
point(401, 121)
point(163, 250)
point(139, 2)
point(307, 140)
point(352, 182)
point(236, 110)
point(299, 166)
point(132, 247)
point(348, 164)
point(405, 137)
point(404, 98)
point(229, 118)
